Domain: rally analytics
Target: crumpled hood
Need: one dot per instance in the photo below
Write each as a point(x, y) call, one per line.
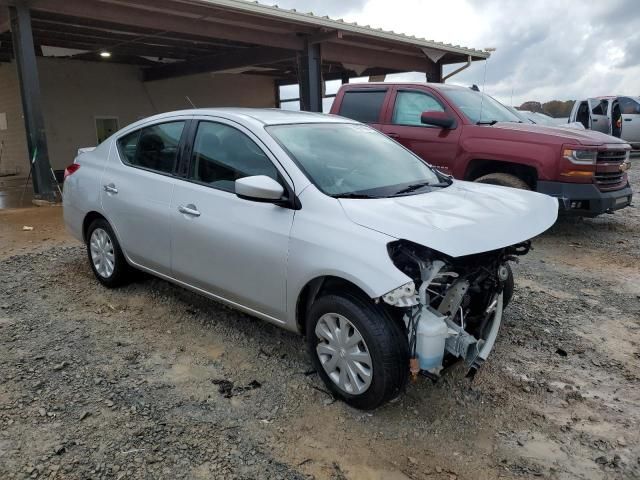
point(462, 219)
point(566, 135)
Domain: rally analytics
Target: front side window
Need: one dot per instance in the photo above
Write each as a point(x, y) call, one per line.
point(410, 106)
point(629, 106)
point(223, 154)
point(352, 160)
point(362, 105)
point(154, 148)
point(601, 108)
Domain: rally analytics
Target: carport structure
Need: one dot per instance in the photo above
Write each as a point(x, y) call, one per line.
point(167, 39)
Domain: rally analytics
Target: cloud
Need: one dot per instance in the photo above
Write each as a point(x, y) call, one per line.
point(546, 49)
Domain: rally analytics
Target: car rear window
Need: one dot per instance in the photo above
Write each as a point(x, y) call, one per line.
point(362, 105)
point(154, 148)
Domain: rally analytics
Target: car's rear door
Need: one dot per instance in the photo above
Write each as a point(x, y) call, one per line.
point(598, 111)
point(136, 190)
point(630, 109)
point(402, 122)
point(227, 246)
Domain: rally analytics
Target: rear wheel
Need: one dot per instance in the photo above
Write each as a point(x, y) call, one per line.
point(360, 353)
point(105, 256)
point(504, 180)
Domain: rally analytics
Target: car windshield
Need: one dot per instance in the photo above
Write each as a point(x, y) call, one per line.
point(480, 108)
point(353, 160)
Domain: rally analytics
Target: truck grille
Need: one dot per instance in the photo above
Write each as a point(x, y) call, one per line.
point(608, 179)
point(608, 175)
point(612, 156)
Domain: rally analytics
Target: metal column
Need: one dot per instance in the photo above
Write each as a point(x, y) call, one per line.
point(310, 77)
point(25, 56)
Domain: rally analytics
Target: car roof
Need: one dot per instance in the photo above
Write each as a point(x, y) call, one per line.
point(266, 116)
point(438, 86)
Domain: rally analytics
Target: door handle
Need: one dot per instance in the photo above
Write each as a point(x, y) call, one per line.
point(111, 188)
point(628, 119)
point(190, 209)
point(392, 135)
point(595, 119)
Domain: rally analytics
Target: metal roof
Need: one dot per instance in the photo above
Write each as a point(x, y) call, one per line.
point(324, 21)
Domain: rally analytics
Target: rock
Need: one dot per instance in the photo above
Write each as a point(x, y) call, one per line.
point(601, 460)
point(412, 460)
point(439, 469)
point(59, 449)
point(621, 441)
point(84, 415)
point(42, 412)
point(60, 366)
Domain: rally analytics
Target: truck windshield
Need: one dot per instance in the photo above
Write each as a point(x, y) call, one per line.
point(480, 108)
point(353, 160)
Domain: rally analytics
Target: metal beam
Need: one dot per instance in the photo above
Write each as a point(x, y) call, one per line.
point(216, 63)
point(25, 54)
point(310, 78)
point(166, 22)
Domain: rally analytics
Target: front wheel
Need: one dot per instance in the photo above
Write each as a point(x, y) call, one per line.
point(360, 353)
point(504, 180)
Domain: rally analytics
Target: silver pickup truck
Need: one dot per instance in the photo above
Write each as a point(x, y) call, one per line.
point(617, 116)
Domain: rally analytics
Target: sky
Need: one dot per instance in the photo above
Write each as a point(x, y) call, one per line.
point(545, 49)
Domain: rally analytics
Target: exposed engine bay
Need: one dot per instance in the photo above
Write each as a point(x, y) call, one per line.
point(452, 309)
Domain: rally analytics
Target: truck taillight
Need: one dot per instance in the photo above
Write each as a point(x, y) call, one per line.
point(71, 169)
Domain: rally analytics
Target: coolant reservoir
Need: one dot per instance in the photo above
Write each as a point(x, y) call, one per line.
point(431, 335)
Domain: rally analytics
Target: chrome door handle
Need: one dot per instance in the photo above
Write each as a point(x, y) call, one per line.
point(189, 210)
point(111, 188)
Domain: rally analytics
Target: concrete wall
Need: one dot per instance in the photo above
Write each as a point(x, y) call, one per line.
point(74, 93)
point(14, 156)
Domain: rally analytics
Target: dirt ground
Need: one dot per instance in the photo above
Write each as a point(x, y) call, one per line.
point(152, 381)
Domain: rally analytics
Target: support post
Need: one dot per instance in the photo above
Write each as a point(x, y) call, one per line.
point(25, 55)
point(310, 77)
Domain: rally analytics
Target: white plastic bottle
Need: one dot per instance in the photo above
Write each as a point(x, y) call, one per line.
point(431, 335)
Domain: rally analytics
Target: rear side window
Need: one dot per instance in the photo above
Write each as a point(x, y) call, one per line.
point(410, 106)
point(154, 148)
point(362, 105)
point(223, 154)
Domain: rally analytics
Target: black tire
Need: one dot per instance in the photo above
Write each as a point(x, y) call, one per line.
point(121, 270)
point(509, 286)
point(385, 340)
point(504, 180)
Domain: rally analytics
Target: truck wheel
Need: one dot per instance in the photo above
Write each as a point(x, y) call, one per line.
point(360, 353)
point(504, 180)
point(105, 256)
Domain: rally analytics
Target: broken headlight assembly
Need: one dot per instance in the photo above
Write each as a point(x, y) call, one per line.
point(452, 308)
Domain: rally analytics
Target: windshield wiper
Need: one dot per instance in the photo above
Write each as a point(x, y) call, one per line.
point(353, 195)
point(486, 122)
point(417, 186)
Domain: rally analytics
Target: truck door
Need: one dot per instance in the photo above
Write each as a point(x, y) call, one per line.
point(630, 127)
point(436, 145)
point(599, 119)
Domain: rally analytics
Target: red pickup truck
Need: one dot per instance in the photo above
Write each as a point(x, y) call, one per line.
point(473, 137)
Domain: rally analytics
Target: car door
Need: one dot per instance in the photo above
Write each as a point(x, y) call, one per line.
point(630, 110)
point(598, 113)
point(225, 245)
point(402, 122)
point(136, 191)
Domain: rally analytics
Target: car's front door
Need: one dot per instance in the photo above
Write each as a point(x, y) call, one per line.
point(228, 246)
point(630, 110)
point(599, 118)
point(136, 188)
point(402, 122)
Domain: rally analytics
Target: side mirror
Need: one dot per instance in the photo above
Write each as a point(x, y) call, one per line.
point(439, 119)
point(259, 188)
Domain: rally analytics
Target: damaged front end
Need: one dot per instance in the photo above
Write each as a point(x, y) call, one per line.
point(453, 307)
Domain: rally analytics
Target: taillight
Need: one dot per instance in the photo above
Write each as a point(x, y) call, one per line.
point(71, 169)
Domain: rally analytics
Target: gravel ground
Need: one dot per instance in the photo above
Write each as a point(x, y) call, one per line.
point(152, 381)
